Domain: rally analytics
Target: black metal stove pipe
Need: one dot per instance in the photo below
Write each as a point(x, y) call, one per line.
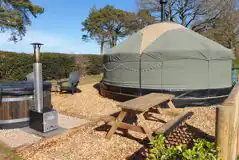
point(163, 3)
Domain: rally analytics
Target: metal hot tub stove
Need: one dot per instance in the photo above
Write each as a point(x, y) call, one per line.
point(42, 118)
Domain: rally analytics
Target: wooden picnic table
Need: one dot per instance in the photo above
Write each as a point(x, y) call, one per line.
point(143, 103)
point(140, 107)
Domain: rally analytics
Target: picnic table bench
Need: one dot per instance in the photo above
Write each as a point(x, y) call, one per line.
point(140, 107)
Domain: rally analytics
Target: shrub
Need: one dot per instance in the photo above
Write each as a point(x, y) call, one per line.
point(202, 150)
point(15, 66)
point(94, 65)
point(57, 66)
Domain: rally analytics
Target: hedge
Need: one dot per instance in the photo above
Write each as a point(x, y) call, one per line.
point(15, 66)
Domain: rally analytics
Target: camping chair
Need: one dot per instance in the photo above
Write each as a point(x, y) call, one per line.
point(69, 84)
point(30, 77)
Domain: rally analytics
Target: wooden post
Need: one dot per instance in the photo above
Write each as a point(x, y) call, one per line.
point(238, 141)
point(223, 127)
point(227, 120)
point(235, 122)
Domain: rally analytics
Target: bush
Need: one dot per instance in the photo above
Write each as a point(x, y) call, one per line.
point(95, 65)
point(57, 66)
point(15, 66)
point(202, 150)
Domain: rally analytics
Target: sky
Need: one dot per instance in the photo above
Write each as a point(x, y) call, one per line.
point(59, 28)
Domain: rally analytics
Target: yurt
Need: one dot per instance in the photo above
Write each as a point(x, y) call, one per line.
point(167, 57)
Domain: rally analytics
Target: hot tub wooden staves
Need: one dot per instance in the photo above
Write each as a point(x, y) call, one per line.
point(16, 98)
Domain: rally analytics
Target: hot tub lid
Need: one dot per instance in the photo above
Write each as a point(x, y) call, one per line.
point(20, 87)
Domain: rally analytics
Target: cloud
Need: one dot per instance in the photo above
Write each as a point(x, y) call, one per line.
point(52, 43)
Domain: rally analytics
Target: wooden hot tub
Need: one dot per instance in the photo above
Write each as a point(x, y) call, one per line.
point(16, 98)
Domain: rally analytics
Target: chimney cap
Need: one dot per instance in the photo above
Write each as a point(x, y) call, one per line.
point(163, 1)
point(36, 43)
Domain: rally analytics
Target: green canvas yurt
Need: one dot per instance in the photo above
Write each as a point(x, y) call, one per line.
point(168, 56)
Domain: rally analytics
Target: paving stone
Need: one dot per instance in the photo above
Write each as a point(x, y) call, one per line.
point(24, 136)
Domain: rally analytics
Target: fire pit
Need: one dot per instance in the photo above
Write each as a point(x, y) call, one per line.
point(16, 99)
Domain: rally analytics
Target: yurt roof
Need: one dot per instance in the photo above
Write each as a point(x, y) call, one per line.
point(152, 32)
point(171, 40)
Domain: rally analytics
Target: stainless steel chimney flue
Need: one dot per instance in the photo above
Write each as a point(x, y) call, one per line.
point(42, 118)
point(38, 86)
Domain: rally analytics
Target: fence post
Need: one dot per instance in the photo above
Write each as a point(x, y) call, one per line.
point(227, 119)
point(223, 130)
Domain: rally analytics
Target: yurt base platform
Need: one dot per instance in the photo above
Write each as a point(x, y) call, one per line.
point(195, 98)
point(18, 137)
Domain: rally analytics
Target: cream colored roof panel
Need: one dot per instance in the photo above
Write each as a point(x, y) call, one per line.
point(154, 31)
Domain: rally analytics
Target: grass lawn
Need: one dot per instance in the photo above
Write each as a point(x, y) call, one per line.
point(7, 154)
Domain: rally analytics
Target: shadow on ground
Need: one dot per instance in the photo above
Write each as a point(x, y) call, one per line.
point(68, 92)
point(182, 135)
point(97, 86)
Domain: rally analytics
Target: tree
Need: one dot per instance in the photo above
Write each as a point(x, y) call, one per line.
point(213, 10)
point(109, 24)
point(180, 11)
point(189, 13)
point(106, 25)
point(142, 19)
point(224, 29)
point(15, 16)
point(215, 19)
point(92, 31)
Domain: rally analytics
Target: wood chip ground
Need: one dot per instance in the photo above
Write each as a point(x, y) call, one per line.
point(88, 142)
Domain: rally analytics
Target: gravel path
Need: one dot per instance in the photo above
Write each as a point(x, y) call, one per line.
point(89, 142)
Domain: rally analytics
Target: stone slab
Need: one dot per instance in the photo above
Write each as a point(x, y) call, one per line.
point(24, 136)
point(70, 122)
point(16, 137)
point(52, 133)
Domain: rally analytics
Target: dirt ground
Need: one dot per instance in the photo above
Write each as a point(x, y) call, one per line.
point(88, 142)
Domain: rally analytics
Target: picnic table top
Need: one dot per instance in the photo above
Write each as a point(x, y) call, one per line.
point(143, 103)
